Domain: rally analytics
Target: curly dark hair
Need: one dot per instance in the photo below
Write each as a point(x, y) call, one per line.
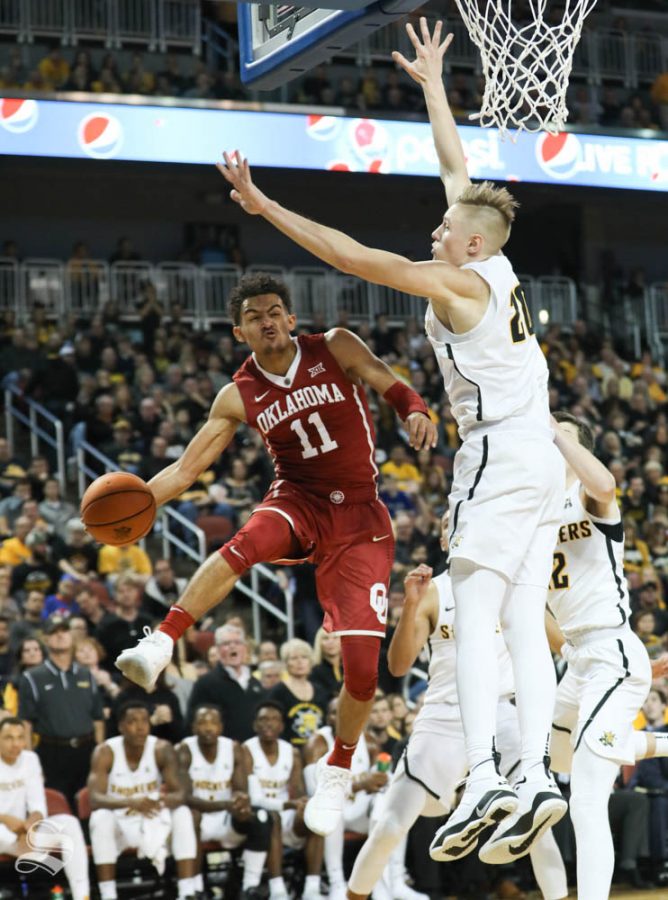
point(253, 285)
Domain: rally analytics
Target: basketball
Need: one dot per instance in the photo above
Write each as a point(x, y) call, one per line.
point(118, 508)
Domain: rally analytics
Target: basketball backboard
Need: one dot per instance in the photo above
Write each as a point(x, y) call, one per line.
point(278, 42)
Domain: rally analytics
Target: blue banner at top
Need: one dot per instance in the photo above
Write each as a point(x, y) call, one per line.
point(166, 134)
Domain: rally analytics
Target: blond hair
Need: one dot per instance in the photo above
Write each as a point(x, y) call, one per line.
point(493, 200)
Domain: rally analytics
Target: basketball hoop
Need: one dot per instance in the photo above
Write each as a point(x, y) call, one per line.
point(526, 63)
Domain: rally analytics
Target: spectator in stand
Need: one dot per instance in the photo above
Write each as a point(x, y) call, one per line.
point(156, 460)
point(327, 674)
point(63, 603)
point(127, 560)
point(659, 94)
point(164, 709)
point(6, 654)
point(14, 550)
point(150, 314)
point(644, 625)
point(129, 622)
point(11, 507)
point(55, 511)
point(61, 703)
point(28, 654)
point(400, 467)
point(77, 555)
point(107, 82)
point(95, 614)
point(651, 775)
point(124, 252)
point(230, 685)
point(304, 701)
point(99, 426)
point(53, 69)
point(394, 498)
point(8, 605)
point(10, 468)
point(90, 653)
point(636, 551)
point(31, 623)
point(137, 79)
point(380, 725)
point(162, 589)
point(38, 564)
point(122, 449)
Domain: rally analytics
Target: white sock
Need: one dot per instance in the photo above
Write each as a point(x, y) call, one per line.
point(198, 882)
point(186, 887)
point(277, 887)
point(404, 801)
point(641, 741)
point(592, 779)
point(107, 890)
point(548, 867)
point(523, 624)
point(253, 863)
point(312, 883)
point(478, 594)
point(334, 854)
point(640, 744)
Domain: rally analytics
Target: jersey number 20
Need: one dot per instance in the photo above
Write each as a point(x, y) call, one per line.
point(326, 443)
point(521, 325)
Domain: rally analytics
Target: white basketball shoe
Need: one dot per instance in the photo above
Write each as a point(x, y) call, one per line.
point(144, 663)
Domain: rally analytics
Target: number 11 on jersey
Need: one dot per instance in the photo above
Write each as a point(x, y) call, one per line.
point(326, 442)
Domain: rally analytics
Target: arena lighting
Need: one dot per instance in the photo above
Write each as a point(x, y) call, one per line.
point(543, 316)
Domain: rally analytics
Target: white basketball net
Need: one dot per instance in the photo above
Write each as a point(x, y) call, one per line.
point(526, 64)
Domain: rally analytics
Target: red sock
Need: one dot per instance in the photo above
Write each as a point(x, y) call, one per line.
point(341, 754)
point(177, 622)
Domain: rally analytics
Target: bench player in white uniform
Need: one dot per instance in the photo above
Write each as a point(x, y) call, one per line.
point(609, 673)
point(137, 802)
point(276, 783)
point(435, 759)
point(23, 807)
point(508, 476)
point(214, 768)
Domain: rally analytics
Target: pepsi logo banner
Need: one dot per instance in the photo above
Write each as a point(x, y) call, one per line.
point(168, 134)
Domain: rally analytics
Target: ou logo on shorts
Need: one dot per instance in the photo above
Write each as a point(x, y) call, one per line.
point(378, 601)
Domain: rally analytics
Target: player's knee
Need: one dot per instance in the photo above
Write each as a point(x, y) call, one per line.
point(260, 540)
point(259, 832)
point(360, 665)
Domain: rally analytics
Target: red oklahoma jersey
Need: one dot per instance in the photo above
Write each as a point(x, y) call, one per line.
point(314, 422)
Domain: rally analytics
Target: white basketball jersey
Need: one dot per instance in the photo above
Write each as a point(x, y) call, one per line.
point(211, 780)
point(443, 652)
point(273, 780)
point(22, 786)
point(360, 763)
point(144, 781)
point(496, 371)
point(588, 589)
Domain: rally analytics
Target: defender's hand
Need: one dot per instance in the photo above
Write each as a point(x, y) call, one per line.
point(416, 583)
point(236, 171)
point(421, 431)
point(428, 62)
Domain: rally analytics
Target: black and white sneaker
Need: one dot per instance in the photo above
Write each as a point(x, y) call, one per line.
point(541, 805)
point(485, 802)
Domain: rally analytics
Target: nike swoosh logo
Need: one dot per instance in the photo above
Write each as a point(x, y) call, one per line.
point(262, 396)
point(382, 537)
point(524, 846)
point(448, 608)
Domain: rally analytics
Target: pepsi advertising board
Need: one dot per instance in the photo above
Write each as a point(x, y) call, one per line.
point(163, 134)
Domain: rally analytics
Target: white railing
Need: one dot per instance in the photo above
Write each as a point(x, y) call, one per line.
point(656, 318)
point(216, 282)
point(38, 420)
point(43, 282)
point(553, 300)
point(86, 286)
point(172, 538)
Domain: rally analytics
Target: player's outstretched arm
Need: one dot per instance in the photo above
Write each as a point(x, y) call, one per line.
point(427, 70)
point(226, 414)
point(598, 482)
point(415, 622)
point(444, 284)
point(360, 364)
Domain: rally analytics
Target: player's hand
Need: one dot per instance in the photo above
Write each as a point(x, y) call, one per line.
point(375, 781)
point(429, 53)
point(416, 583)
point(421, 431)
point(241, 807)
point(236, 171)
point(145, 806)
point(660, 666)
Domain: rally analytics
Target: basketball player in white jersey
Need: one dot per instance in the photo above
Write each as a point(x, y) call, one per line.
point(435, 759)
point(213, 767)
point(508, 476)
point(609, 673)
point(276, 784)
point(137, 802)
point(26, 829)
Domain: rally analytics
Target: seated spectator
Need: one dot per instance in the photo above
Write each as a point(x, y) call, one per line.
point(269, 673)
point(276, 784)
point(90, 653)
point(380, 726)
point(23, 808)
point(8, 606)
point(30, 625)
point(11, 507)
point(229, 685)
point(214, 768)
point(122, 449)
point(128, 624)
point(63, 602)
point(163, 706)
point(644, 625)
point(162, 589)
point(399, 713)
point(37, 572)
point(53, 69)
point(127, 560)
point(137, 80)
point(78, 555)
point(95, 614)
point(156, 460)
point(55, 511)
point(267, 650)
point(303, 700)
point(6, 655)
point(107, 82)
point(636, 551)
point(14, 550)
point(651, 775)
point(394, 498)
point(400, 467)
point(137, 801)
point(327, 674)
point(29, 653)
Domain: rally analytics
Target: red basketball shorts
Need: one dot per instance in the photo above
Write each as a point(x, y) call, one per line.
point(352, 546)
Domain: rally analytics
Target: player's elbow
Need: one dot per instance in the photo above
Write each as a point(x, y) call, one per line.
point(398, 667)
point(606, 490)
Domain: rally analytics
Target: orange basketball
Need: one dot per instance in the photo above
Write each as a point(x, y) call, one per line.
point(118, 508)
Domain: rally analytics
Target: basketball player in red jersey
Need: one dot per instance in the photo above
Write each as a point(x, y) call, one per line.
point(304, 396)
